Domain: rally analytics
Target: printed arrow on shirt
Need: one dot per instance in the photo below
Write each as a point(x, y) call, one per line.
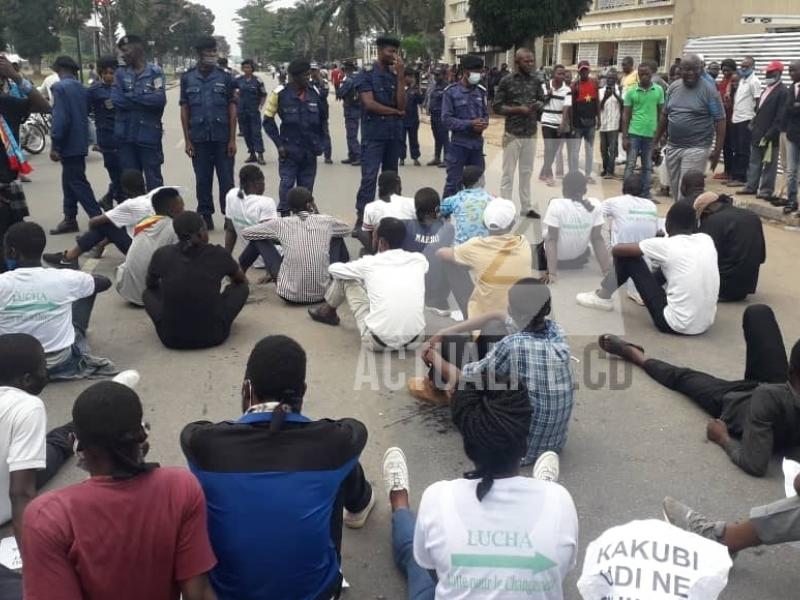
point(537, 563)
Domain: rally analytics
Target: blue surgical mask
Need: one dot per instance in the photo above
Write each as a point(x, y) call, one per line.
point(474, 78)
point(745, 73)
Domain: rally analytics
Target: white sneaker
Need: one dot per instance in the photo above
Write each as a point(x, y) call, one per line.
point(592, 300)
point(395, 471)
point(359, 519)
point(130, 378)
point(635, 297)
point(442, 312)
point(546, 467)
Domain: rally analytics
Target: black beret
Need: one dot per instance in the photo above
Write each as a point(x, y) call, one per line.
point(205, 43)
point(129, 39)
point(471, 62)
point(387, 40)
point(299, 66)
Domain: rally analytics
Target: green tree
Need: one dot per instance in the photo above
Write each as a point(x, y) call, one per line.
point(32, 27)
point(508, 24)
point(356, 17)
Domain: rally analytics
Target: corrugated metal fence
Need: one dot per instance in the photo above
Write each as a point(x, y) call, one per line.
point(764, 47)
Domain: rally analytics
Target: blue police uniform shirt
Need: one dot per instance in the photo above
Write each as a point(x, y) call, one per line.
point(302, 120)
point(208, 98)
point(413, 100)
point(70, 133)
point(348, 94)
point(251, 91)
point(382, 82)
point(437, 96)
point(139, 100)
point(102, 107)
point(460, 105)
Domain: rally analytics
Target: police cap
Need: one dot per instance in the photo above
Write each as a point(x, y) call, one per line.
point(129, 39)
point(471, 62)
point(299, 66)
point(387, 40)
point(206, 42)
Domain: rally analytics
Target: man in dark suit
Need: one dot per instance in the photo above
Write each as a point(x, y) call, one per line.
point(766, 130)
point(792, 128)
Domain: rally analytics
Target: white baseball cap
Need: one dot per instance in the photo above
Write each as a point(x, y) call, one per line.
point(499, 214)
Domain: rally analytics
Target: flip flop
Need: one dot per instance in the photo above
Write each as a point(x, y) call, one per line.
point(616, 346)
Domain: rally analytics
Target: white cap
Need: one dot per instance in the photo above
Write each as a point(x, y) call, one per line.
point(499, 214)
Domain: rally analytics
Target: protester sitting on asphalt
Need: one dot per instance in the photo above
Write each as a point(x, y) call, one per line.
point(246, 206)
point(571, 224)
point(686, 262)
point(632, 219)
point(496, 262)
point(52, 305)
point(530, 349)
point(534, 518)
point(109, 225)
point(276, 483)
point(775, 523)
point(29, 457)
point(150, 234)
point(390, 203)
point(310, 242)
point(426, 234)
point(73, 536)
point(183, 297)
point(467, 206)
point(762, 409)
point(739, 238)
point(385, 292)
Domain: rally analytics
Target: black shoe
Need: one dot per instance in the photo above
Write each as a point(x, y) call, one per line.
point(357, 226)
point(746, 192)
point(442, 165)
point(434, 163)
point(320, 317)
point(328, 161)
point(789, 209)
point(261, 160)
point(347, 161)
point(209, 222)
point(251, 159)
point(532, 214)
point(356, 163)
point(66, 226)
point(58, 260)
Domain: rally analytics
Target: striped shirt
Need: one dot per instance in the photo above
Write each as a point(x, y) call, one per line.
point(557, 101)
point(305, 239)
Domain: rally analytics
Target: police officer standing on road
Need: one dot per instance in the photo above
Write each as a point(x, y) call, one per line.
point(252, 95)
point(464, 113)
point(102, 108)
point(441, 135)
point(139, 99)
point(208, 116)
point(70, 144)
point(347, 93)
point(382, 93)
point(414, 98)
point(322, 87)
point(302, 134)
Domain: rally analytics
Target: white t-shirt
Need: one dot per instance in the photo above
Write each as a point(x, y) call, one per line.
point(554, 108)
point(132, 211)
point(23, 427)
point(250, 210)
point(38, 302)
point(398, 207)
point(633, 219)
point(574, 224)
point(519, 542)
point(689, 263)
point(131, 277)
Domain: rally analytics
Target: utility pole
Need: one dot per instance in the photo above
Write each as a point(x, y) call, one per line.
point(78, 37)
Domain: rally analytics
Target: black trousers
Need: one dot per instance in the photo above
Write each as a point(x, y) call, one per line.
point(650, 286)
point(462, 349)
point(741, 139)
point(59, 450)
point(609, 148)
point(233, 299)
point(273, 260)
point(765, 363)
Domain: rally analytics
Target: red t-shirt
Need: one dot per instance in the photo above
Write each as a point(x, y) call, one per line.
point(127, 540)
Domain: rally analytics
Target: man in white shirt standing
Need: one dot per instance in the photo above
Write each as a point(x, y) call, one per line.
point(555, 120)
point(744, 109)
point(688, 265)
point(385, 292)
point(610, 116)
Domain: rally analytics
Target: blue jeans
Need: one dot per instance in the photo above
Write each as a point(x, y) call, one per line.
point(641, 146)
point(792, 170)
point(421, 585)
point(587, 135)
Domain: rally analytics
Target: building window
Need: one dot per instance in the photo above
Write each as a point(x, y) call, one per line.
point(548, 52)
point(655, 50)
point(459, 11)
point(569, 54)
point(607, 54)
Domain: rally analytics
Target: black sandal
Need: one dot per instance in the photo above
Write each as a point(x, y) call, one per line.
point(615, 345)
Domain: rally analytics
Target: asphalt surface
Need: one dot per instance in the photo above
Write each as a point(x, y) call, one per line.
point(630, 442)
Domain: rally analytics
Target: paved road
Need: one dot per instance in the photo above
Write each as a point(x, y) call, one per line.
point(628, 448)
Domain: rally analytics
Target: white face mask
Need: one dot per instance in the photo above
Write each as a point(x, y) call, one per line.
point(474, 78)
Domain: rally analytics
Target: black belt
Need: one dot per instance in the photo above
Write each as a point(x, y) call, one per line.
point(383, 344)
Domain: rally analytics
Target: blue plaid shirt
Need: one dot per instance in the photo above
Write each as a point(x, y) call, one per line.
point(541, 361)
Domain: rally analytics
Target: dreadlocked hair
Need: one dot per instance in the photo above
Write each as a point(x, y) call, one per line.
point(494, 424)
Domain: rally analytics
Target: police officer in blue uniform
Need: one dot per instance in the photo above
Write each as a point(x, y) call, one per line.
point(382, 94)
point(70, 143)
point(252, 95)
point(464, 112)
point(208, 116)
point(139, 99)
point(323, 89)
point(102, 108)
point(301, 137)
point(441, 135)
point(348, 94)
point(414, 99)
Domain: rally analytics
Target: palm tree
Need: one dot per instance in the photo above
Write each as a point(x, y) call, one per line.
point(355, 17)
point(306, 26)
